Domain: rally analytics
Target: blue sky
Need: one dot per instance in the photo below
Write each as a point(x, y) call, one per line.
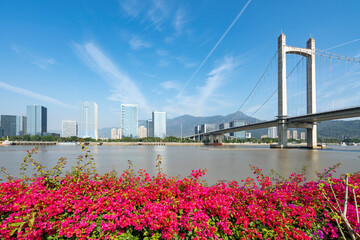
point(162, 55)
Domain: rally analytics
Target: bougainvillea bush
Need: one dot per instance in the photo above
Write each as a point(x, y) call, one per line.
point(84, 205)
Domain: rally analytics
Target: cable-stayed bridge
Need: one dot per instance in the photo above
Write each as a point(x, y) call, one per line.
point(311, 117)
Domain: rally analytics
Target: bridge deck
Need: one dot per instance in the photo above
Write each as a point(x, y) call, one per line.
point(308, 118)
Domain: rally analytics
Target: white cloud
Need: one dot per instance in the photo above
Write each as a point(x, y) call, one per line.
point(207, 98)
point(162, 53)
point(34, 95)
point(138, 43)
point(179, 20)
point(185, 63)
point(41, 62)
point(131, 7)
point(124, 89)
point(170, 85)
point(157, 13)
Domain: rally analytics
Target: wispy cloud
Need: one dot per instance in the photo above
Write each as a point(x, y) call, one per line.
point(207, 98)
point(170, 85)
point(124, 89)
point(215, 46)
point(137, 43)
point(41, 62)
point(179, 20)
point(131, 7)
point(185, 62)
point(162, 53)
point(157, 13)
point(27, 93)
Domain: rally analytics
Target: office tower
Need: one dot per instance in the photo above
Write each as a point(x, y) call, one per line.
point(247, 134)
point(150, 128)
point(12, 125)
point(36, 119)
point(69, 128)
point(272, 132)
point(288, 135)
point(295, 134)
point(114, 134)
point(237, 123)
point(302, 136)
point(129, 120)
point(159, 123)
point(205, 128)
point(21, 125)
point(142, 132)
point(8, 125)
point(88, 120)
point(224, 126)
point(197, 129)
point(119, 133)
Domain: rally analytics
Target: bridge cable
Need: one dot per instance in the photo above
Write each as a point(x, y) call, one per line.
point(256, 85)
point(276, 89)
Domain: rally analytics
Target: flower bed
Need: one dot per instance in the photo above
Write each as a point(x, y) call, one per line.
point(137, 206)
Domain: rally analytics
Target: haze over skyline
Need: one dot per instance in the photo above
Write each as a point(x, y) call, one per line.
point(199, 58)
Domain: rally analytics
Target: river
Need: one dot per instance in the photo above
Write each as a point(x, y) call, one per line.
point(223, 163)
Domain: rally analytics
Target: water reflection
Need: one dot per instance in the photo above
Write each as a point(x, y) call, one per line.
point(224, 163)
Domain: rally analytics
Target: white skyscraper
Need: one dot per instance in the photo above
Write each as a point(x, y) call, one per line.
point(159, 123)
point(69, 128)
point(272, 132)
point(88, 120)
point(129, 120)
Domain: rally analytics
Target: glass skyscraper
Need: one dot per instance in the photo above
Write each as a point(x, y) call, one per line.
point(150, 128)
point(12, 125)
point(159, 122)
point(36, 119)
point(237, 123)
point(88, 120)
point(129, 120)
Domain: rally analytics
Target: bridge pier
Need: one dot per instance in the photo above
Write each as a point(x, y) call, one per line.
point(282, 133)
point(312, 136)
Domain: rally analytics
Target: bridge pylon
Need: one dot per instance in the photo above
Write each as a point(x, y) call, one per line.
point(309, 53)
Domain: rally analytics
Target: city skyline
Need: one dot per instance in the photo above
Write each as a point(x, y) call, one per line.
point(160, 55)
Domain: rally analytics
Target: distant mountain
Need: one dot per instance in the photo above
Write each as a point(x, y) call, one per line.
point(188, 123)
point(330, 129)
point(339, 129)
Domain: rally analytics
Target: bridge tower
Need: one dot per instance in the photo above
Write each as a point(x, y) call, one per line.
point(309, 53)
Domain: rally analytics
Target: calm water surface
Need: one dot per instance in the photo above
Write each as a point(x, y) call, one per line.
point(222, 162)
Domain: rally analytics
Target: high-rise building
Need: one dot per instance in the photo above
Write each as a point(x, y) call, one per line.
point(114, 133)
point(69, 128)
point(13, 125)
point(88, 120)
point(36, 120)
point(205, 128)
point(142, 132)
point(272, 132)
point(150, 128)
point(21, 125)
point(224, 126)
point(288, 135)
point(302, 135)
point(295, 134)
point(159, 122)
point(247, 134)
point(237, 123)
point(119, 133)
point(129, 120)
